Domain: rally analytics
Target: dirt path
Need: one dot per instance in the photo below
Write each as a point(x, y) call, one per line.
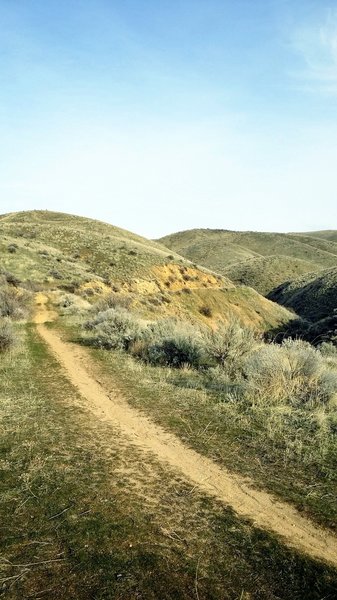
point(260, 507)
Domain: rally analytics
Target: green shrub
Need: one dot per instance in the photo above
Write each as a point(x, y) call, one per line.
point(8, 338)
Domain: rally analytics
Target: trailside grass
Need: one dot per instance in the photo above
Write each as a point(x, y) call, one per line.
point(85, 515)
point(290, 452)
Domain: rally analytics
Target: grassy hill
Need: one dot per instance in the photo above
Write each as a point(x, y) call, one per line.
point(313, 296)
point(328, 234)
point(268, 271)
point(159, 458)
point(51, 250)
point(260, 260)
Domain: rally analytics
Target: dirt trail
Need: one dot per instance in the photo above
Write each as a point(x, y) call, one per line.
point(259, 507)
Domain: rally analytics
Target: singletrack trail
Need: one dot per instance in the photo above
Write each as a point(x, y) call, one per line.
point(260, 507)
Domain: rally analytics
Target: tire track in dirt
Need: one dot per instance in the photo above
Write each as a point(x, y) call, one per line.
point(260, 507)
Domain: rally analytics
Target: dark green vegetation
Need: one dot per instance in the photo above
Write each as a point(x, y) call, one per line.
point(260, 260)
point(85, 518)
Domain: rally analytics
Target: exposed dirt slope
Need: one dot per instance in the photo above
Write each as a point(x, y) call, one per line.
point(231, 489)
point(258, 259)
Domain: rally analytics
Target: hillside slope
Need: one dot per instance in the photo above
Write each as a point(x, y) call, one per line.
point(267, 272)
point(260, 260)
point(328, 234)
point(313, 296)
point(59, 251)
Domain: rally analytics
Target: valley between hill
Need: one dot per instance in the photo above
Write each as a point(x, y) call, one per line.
point(265, 511)
point(157, 441)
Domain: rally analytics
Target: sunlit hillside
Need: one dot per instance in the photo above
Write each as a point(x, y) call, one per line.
point(260, 260)
point(51, 250)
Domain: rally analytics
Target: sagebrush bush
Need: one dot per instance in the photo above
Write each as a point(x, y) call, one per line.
point(113, 329)
point(328, 349)
point(173, 343)
point(233, 359)
point(13, 304)
point(8, 337)
point(294, 373)
point(113, 300)
point(229, 343)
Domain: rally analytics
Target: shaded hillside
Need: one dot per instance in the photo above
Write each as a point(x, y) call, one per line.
point(266, 272)
point(58, 251)
point(312, 296)
point(237, 254)
point(328, 234)
point(321, 243)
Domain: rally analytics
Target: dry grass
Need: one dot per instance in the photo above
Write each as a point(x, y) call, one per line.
point(95, 519)
point(90, 258)
point(262, 260)
point(266, 410)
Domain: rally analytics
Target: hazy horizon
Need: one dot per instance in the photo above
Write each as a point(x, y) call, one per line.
point(162, 117)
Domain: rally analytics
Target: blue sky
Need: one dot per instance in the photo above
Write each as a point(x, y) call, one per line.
point(159, 116)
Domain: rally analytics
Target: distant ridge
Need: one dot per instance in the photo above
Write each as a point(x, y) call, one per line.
point(257, 259)
point(56, 251)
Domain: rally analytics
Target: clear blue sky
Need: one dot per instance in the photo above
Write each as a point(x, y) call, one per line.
point(163, 115)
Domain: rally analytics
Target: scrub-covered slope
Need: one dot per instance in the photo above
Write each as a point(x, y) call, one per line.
point(260, 260)
point(55, 250)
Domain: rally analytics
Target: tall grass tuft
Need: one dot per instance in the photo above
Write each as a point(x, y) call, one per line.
point(8, 337)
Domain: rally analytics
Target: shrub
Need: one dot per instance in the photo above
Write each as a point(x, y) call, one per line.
point(206, 311)
point(55, 274)
point(113, 329)
point(12, 303)
point(229, 343)
point(293, 373)
point(304, 360)
point(328, 349)
point(11, 279)
point(113, 300)
point(8, 338)
point(172, 343)
point(12, 248)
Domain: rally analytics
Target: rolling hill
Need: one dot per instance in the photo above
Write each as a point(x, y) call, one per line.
point(146, 457)
point(266, 272)
point(50, 251)
point(260, 260)
point(312, 296)
point(328, 234)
